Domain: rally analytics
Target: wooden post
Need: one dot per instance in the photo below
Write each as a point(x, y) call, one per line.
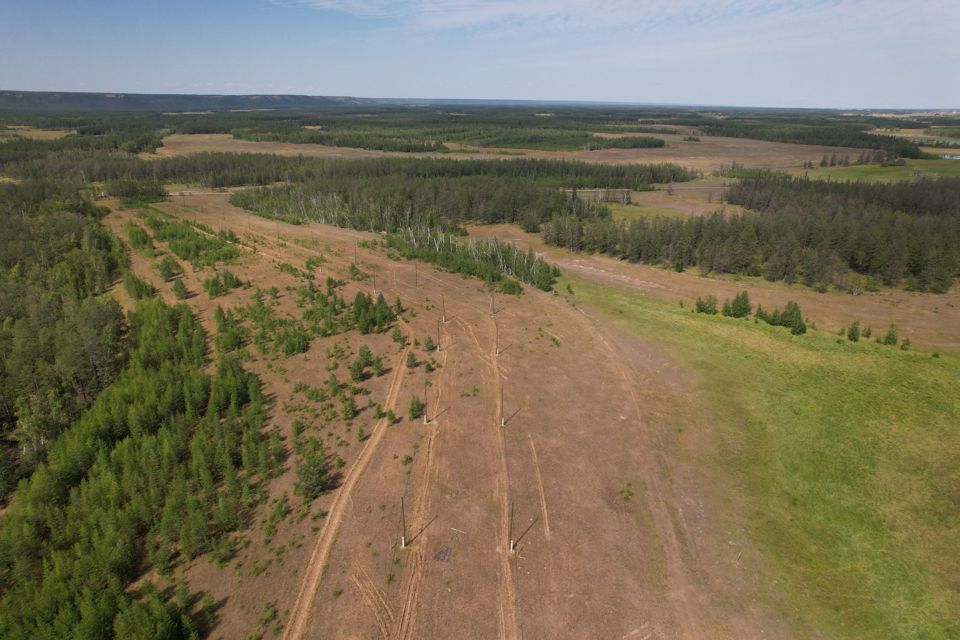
point(403, 526)
point(512, 545)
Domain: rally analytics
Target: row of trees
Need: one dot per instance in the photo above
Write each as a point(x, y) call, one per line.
point(490, 260)
point(389, 203)
point(231, 169)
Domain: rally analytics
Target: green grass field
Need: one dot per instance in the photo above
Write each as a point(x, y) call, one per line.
point(633, 211)
point(848, 454)
point(875, 173)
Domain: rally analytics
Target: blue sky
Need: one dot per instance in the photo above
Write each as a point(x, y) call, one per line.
point(804, 53)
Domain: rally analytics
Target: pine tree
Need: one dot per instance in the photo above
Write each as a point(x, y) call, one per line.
point(416, 407)
point(853, 333)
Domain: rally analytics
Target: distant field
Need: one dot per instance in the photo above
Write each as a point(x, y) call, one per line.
point(875, 173)
point(34, 134)
point(708, 155)
point(634, 211)
point(844, 451)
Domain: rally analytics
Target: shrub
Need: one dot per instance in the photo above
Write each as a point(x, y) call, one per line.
point(740, 307)
point(137, 288)
point(416, 407)
point(891, 338)
point(169, 267)
point(853, 333)
point(790, 317)
point(180, 289)
point(313, 472)
point(706, 305)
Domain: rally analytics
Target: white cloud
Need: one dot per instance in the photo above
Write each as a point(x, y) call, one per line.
point(590, 14)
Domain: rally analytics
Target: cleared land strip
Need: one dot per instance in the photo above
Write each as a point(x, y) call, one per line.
point(300, 612)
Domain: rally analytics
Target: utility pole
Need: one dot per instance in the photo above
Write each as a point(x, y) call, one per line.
point(512, 545)
point(443, 308)
point(438, 335)
point(374, 284)
point(403, 526)
point(416, 274)
point(492, 312)
point(496, 336)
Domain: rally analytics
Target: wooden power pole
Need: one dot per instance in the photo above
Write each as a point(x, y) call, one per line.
point(403, 526)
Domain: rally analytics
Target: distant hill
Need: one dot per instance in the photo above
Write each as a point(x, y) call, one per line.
point(71, 101)
point(67, 101)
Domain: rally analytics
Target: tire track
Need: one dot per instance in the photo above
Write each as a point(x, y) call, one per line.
point(365, 592)
point(507, 591)
point(543, 498)
point(408, 613)
point(300, 612)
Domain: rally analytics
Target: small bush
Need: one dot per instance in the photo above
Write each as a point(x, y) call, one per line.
point(137, 288)
point(853, 333)
point(706, 305)
point(416, 407)
point(180, 289)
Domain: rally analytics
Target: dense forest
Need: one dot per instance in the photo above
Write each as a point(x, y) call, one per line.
point(59, 341)
point(388, 203)
point(853, 236)
point(128, 456)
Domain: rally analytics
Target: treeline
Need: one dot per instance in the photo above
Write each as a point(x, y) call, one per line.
point(849, 235)
point(825, 134)
point(626, 142)
point(230, 169)
point(353, 139)
point(493, 261)
point(60, 343)
point(389, 203)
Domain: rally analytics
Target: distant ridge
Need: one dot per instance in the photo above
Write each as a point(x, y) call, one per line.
point(69, 101)
point(75, 101)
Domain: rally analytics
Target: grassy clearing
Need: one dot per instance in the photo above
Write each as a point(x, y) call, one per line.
point(875, 173)
point(847, 453)
point(634, 211)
